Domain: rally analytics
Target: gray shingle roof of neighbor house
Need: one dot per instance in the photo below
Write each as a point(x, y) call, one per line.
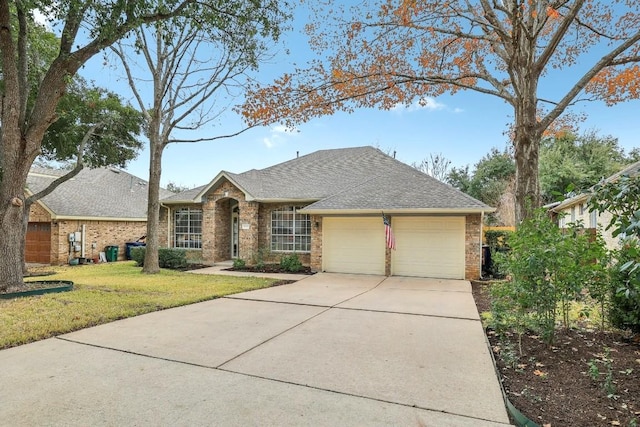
point(345, 179)
point(630, 170)
point(94, 193)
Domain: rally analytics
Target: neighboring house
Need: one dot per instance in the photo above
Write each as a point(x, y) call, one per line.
point(327, 207)
point(100, 207)
point(575, 209)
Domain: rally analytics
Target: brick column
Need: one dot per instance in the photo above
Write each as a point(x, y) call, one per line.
point(316, 243)
point(473, 247)
point(208, 230)
point(249, 237)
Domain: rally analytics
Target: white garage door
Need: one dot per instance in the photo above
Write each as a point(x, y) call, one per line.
point(353, 245)
point(429, 247)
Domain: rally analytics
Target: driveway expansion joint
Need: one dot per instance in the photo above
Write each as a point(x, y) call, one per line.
point(374, 399)
point(264, 378)
point(440, 316)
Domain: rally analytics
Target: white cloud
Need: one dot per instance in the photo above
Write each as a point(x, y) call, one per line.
point(278, 135)
point(427, 103)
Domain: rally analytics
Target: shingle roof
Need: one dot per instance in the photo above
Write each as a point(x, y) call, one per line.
point(357, 178)
point(94, 193)
point(185, 196)
point(630, 170)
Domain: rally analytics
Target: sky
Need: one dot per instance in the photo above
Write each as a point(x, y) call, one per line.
point(461, 128)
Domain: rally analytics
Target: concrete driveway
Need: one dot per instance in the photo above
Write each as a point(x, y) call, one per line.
point(331, 349)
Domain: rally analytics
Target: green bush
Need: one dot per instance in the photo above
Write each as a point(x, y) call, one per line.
point(172, 259)
point(625, 287)
point(137, 254)
point(239, 263)
point(549, 269)
point(620, 199)
point(291, 263)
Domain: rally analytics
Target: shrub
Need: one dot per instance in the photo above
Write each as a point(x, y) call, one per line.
point(167, 258)
point(137, 254)
point(239, 263)
point(172, 258)
point(625, 287)
point(549, 268)
point(291, 263)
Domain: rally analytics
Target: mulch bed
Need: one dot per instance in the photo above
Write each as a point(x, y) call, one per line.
point(271, 268)
point(575, 382)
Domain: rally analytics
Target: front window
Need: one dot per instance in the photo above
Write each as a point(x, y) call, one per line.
point(593, 219)
point(187, 226)
point(290, 231)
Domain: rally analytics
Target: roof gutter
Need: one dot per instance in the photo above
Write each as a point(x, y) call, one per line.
point(402, 211)
point(95, 218)
point(569, 202)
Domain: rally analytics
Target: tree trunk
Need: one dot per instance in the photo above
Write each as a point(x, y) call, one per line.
point(12, 211)
point(25, 227)
point(151, 265)
point(527, 186)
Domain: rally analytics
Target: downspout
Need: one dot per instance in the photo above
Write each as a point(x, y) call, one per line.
point(83, 236)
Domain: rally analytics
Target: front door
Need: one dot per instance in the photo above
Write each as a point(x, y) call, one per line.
point(235, 230)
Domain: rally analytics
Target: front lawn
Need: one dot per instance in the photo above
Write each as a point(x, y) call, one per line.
point(107, 292)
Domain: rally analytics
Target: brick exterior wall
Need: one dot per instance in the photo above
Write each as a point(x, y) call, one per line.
point(38, 214)
point(102, 233)
point(473, 247)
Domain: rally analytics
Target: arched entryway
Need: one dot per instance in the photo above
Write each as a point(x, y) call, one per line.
point(227, 229)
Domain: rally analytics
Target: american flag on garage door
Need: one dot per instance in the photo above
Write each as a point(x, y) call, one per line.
point(388, 233)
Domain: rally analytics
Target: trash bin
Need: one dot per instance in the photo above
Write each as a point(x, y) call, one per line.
point(112, 253)
point(129, 245)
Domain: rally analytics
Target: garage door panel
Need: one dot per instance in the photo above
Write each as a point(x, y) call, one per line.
point(353, 245)
point(429, 247)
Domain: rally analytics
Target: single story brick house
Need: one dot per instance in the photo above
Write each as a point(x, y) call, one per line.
point(327, 207)
point(100, 207)
point(575, 208)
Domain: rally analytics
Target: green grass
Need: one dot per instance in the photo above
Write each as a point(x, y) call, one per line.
point(106, 292)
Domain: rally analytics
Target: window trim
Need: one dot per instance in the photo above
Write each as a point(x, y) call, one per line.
point(299, 227)
point(192, 238)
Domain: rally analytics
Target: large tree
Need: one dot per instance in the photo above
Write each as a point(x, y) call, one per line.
point(572, 162)
point(389, 52)
point(28, 109)
point(195, 73)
